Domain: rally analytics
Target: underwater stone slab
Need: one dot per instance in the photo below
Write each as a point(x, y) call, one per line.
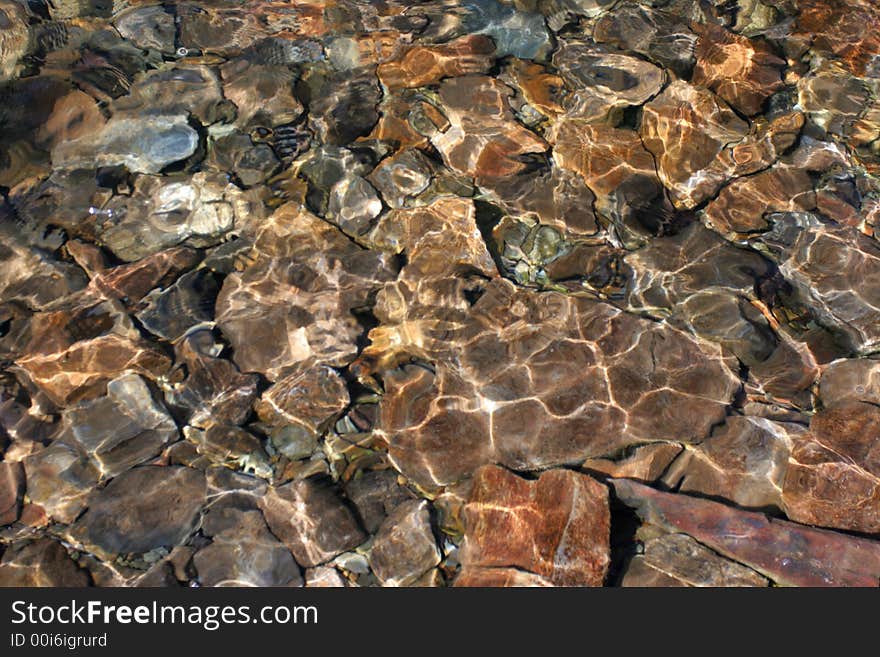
point(141, 510)
point(404, 547)
point(310, 518)
point(556, 527)
point(679, 560)
point(498, 577)
point(11, 491)
point(43, 563)
point(787, 553)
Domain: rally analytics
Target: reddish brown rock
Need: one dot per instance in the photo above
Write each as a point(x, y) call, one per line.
point(742, 71)
point(11, 491)
point(787, 553)
point(833, 479)
point(312, 520)
point(742, 206)
point(43, 562)
point(845, 29)
point(556, 527)
point(498, 577)
point(421, 66)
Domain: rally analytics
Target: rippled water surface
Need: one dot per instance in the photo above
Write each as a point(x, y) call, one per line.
point(476, 293)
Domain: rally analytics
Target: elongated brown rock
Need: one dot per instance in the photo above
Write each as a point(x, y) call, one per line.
point(787, 553)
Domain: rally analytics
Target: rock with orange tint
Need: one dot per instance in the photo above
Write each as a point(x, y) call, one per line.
point(699, 143)
point(646, 463)
point(74, 352)
point(785, 552)
point(483, 140)
point(498, 577)
point(617, 168)
point(850, 379)
point(833, 479)
point(557, 527)
point(845, 30)
point(741, 207)
point(421, 66)
point(744, 72)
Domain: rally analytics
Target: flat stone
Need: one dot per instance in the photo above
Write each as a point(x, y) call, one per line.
point(43, 563)
point(143, 145)
point(59, 481)
point(850, 379)
point(375, 494)
point(744, 462)
point(833, 479)
point(834, 269)
point(299, 293)
point(646, 463)
point(556, 527)
point(679, 560)
point(742, 71)
point(786, 553)
point(425, 65)
point(121, 430)
point(243, 552)
point(311, 519)
point(596, 382)
point(143, 509)
point(482, 140)
point(214, 390)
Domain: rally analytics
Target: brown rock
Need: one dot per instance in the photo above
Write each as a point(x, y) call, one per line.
point(483, 139)
point(292, 308)
point(141, 510)
point(850, 379)
point(699, 143)
point(678, 560)
point(243, 552)
point(404, 548)
point(312, 520)
point(556, 527)
point(833, 479)
point(744, 462)
point(421, 66)
point(11, 491)
point(305, 402)
point(742, 71)
point(498, 577)
point(646, 463)
point(554, 379)
point(787, 553)
point(43, 562)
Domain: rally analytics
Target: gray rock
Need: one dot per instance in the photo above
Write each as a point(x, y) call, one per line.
point(405, 547)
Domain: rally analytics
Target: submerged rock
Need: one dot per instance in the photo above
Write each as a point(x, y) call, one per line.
point(556, 527)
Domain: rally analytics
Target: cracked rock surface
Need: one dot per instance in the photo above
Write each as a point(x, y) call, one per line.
point(449, 293)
